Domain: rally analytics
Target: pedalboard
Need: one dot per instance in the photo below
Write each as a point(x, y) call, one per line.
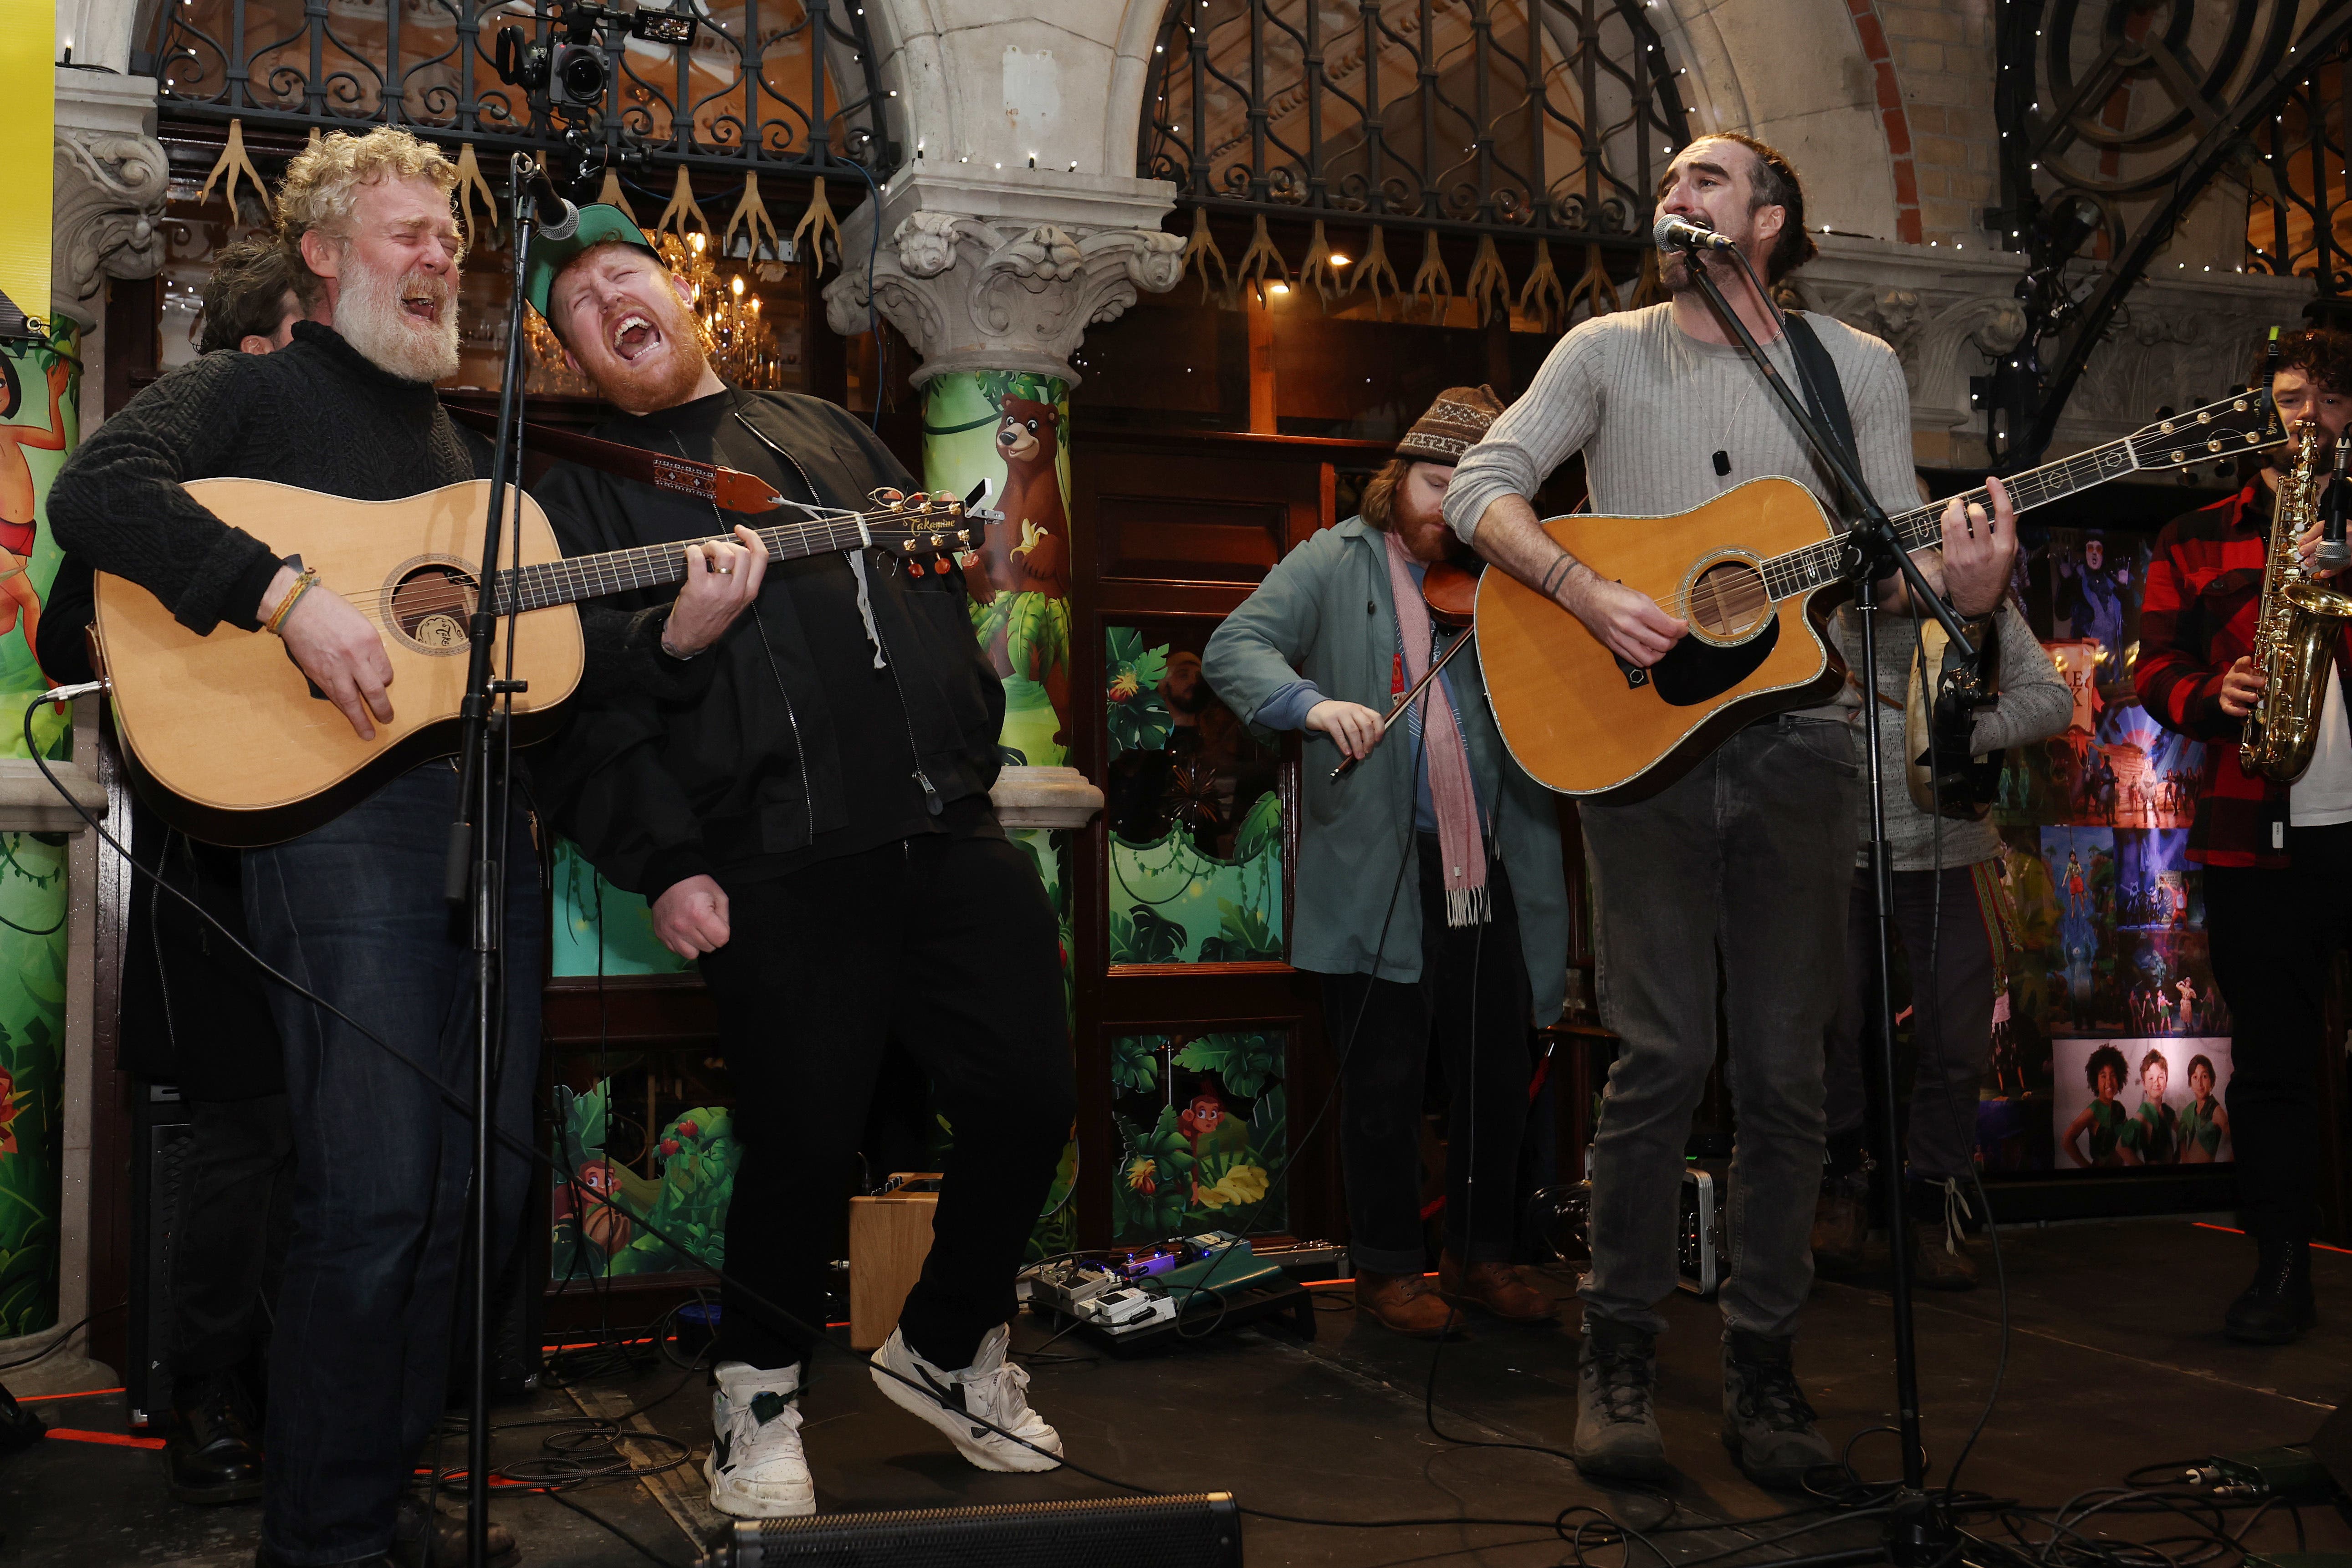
point(1187, 1287)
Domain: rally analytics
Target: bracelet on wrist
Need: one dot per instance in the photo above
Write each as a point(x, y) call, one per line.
point(303, 582)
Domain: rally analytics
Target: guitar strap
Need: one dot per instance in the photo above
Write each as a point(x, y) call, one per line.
point(731, 489)
point(1824, 393)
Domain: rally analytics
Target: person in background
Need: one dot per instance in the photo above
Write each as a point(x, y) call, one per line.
point(2276, 855)
point(2203, 1122)
point(1474, 952)
point(194, 1015)
point(1948, 910)
point(2104, 1118)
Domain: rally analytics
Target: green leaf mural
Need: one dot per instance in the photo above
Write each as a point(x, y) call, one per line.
point(1135, 1061)
point(1202, 1141)
point(1137, 716)
point(1244, 1063)
point(695, 1156)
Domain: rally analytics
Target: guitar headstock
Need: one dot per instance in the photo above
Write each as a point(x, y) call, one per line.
point(920, 529)
point(2245, 422)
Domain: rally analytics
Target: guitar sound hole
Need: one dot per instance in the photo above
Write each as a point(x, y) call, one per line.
point(430, 606)
point(1730, 600)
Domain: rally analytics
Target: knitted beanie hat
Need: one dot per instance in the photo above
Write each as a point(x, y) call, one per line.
point(1456, 422)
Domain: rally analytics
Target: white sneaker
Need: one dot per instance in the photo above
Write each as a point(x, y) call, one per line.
point(991, 1388)
point(755, 1467)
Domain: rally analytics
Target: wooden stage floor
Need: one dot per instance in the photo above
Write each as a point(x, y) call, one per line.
point(2115, 1361)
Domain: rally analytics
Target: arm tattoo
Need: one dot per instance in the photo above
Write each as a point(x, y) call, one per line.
point(1559, 569)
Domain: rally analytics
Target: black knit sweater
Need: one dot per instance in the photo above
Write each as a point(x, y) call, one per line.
point(315, 414)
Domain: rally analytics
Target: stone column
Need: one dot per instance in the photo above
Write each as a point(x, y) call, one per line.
point(106, 221)
point(994, 281)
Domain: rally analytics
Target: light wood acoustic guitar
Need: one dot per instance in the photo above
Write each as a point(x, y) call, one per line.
point(230, 742)
point(1755, 573)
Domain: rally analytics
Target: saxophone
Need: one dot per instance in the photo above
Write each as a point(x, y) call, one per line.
point(2297, 629)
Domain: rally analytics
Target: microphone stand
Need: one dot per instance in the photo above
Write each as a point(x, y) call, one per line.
point(477, 842)
point(1916, 1536)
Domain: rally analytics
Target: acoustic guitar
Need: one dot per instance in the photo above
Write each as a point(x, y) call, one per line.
point(1755, 573)
point(232, 744)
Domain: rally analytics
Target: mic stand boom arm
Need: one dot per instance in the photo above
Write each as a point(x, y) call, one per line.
point(1916, 1536)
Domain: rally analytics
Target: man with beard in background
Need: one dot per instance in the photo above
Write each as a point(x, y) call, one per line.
point(792, 763)
point(353, 910)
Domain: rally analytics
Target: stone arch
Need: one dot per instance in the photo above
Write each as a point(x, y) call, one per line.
point(1812, 77)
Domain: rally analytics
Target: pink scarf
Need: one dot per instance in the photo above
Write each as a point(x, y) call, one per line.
point(1448, 760)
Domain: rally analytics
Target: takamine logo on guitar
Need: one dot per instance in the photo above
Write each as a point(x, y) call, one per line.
point(229, 743)
point(1754, 571)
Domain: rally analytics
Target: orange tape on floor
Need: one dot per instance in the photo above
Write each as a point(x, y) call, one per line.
point(112, 1439)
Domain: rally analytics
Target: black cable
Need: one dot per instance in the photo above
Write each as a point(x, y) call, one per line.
point(56, 1344)
point(639, 1547)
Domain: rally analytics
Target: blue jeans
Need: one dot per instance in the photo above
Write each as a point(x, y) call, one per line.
point(359, 1359)
point(1733, 881)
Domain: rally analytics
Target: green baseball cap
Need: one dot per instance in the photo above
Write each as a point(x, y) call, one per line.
point(549, 257)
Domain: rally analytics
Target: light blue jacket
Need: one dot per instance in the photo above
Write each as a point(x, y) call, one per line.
point(1325, 613)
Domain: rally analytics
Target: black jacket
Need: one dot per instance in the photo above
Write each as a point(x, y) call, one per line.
point(667, 768)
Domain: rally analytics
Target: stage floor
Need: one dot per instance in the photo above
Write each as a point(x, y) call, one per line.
point(2115, 1361)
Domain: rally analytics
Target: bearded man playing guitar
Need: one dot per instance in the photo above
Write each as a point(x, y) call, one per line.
point(792, 760)
point(1737, 871)
point(354, 910)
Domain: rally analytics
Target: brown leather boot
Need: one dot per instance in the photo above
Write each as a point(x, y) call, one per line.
point(1501, 1288)
point(1841, 1223)
point(1407, 1303)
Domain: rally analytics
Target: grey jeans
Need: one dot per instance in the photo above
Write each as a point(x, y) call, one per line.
point(1951, 1025)
point(1732, 881)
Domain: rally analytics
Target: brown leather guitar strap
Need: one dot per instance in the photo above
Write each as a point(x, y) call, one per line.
point(730, 488)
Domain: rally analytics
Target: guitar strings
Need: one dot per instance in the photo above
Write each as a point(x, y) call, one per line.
point(425, 600)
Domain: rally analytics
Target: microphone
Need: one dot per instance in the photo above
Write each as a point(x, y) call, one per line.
point(557, 218)
point(2333, 552)
point(1673, 233)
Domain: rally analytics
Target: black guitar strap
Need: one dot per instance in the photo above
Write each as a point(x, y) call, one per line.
point(1824, 393)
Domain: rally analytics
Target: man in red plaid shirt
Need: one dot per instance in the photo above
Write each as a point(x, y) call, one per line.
point(2276, 857)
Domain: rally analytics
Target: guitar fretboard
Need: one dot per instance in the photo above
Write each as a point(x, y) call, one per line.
point(1922, 528)
point(577, 578)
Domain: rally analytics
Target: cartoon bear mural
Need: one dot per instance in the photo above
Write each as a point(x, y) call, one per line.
point(1020, 577)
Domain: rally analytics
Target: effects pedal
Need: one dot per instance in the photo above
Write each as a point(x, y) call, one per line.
point(1699, 1242)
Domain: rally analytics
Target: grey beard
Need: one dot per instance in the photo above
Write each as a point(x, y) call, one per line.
point(369, 317)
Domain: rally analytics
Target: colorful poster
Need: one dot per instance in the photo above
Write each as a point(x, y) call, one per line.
point(605, 1211)
point(2138, 1101)
point(1194, 811)
point(39, 424)
point(598, 929)
point(1203, 1130)
point(2096, 578)
point(1007, 429)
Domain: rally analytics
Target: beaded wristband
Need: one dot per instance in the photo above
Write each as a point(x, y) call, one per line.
point(302, 584)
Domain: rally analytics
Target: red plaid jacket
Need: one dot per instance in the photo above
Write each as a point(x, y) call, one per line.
point(2197, 618)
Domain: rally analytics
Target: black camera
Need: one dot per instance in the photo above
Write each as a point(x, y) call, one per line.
point(574, 72)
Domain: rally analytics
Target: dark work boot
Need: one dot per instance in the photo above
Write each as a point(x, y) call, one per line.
point(424, 1537)
point(211, 1450)
point(2276, 1307)
point(1939, 1244)
point(1766, 1422)
point(1616, 1419)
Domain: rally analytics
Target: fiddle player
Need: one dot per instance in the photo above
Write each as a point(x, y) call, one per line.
point(1738, 870)
point(2276, 855)
point(1473, 953)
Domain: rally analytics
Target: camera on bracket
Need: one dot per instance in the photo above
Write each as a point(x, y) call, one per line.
point(572, 70)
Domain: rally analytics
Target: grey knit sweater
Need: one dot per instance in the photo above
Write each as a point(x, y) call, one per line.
point(2035, 702)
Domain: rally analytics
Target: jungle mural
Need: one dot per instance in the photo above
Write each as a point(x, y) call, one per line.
point(682, 1191)
point(1203, 1130)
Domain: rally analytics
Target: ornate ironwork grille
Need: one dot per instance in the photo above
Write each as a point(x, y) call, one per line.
point(2299, 222)
point(1547, 118)
point(763, 88)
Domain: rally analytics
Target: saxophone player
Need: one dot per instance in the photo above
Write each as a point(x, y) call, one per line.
point(2270, 851)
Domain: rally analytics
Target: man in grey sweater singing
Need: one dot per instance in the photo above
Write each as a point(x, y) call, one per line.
point(1737, 872)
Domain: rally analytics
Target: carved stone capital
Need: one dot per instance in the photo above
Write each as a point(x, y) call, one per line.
point(111, 179)
point(1008, 278)
point(1044, 798)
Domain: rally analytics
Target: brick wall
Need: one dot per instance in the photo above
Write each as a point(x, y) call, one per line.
point(1942, 56)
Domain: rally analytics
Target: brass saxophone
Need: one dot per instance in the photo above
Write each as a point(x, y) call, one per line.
point(2296, 631)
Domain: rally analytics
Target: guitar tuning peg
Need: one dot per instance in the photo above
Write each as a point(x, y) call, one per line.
point(940, 566)
point(915, 570)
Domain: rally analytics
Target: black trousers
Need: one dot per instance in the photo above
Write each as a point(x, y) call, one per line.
point(1472, 1002)
point(2273, 934)
point(949, 947)
point(233, 1231)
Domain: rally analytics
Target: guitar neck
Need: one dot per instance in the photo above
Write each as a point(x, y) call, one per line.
point(1922, 527)
point(577, 578)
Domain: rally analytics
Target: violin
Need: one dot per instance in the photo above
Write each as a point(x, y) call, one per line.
point(1450, 590)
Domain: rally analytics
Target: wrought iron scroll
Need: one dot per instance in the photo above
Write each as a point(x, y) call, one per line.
point(788, 85)
point(2114, 120)
point(2302, 203)
point(1547, 118)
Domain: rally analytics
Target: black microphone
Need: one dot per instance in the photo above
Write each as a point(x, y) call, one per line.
point(2333, 552)
point(1680, 234)
point(557, 218)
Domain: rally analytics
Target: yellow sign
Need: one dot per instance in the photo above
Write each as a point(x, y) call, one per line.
point(27, 132)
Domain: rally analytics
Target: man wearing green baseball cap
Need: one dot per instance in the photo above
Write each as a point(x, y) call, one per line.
point(791, 759)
